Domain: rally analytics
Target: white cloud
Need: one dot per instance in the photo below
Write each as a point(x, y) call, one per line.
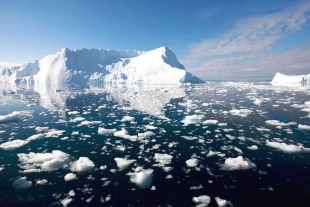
point(245, 51)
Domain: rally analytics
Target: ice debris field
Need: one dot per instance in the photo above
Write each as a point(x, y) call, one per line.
point(214, 144)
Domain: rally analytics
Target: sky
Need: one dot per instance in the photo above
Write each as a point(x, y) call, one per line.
point(238, 40)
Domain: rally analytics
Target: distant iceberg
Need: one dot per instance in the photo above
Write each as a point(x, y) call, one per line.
point(291, 80)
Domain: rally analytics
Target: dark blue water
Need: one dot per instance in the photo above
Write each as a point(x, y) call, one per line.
point(280, 179)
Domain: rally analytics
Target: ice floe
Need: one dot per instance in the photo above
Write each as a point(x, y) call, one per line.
point(237, 163)
point(104, 131)
point(21, 184)
point(288, 148)
point(123, 163)
point(142, 179)
point(83, 164)
point(203, 199)
point(12, 145)
point(192, 162)
point(15, 116)
point(193, 119)
point(70, 176)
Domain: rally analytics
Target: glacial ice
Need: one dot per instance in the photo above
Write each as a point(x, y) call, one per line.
point(83, 164)
point(21, 184)
point(123, 163)
point(12, 145)
point(237, 163)
point(142, 179)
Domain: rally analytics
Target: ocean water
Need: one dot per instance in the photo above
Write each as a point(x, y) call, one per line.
point(185, 122)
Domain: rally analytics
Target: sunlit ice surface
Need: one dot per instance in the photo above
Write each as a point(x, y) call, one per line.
point(215, 144)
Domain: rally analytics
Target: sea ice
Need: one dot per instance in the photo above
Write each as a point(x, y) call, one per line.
point(127, 118)
point(83, 164)
point(42, 182)
point(221, 202)
point(210, 122)
point(124, 134)
point(203, 199)
point(45, 161)
point(193, 119)
point(288, 148)
point(142, 179)
point(303, 127)
point(240, 112)
point(104, 131)
point(237, 163)
point(163, 159)
point(70, 176)
point(15, 116)
point(123, 163)
point(192, 162)
point(21, 184)
point(12, 145)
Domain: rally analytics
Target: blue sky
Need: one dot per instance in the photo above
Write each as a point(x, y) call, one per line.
point(214, 39)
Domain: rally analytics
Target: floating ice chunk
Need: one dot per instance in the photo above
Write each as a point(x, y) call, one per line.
point(124, 134)
point(203, 199)
point(196, 187)
point(253, 147)
point(261, 101)
point(31, 171)
point(210, 122)
point(142, 179)
point(85, 123)
point(240, 112)
point(21, 184)
point(238, 150)
point(145, 135)
point(35, 137)
point(237, 163)
point(77, 119)
point(46, 161)
point(103, 167)
point(42, 182)
point(212, 153)
point(12, 145)
point(278, 123)
point(73, 112)
point(54, 133)
point(150, 127)
point(70, 176)
point(230, 137)
point(193, 119)
point(123, 163)
point(83, 164)
point(303, 127)
point(288, 148)
point(163, 159)
point(71, 193)
point(222, 124)
point(127, 118)
point(1, 132)
point(192, 162)
point(221, 202)
point(40, 129)
point(65, 202)
point(15, 116)
point(104, 131)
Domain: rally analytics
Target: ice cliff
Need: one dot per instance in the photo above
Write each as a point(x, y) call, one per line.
point(291, 80)
point(159, 66)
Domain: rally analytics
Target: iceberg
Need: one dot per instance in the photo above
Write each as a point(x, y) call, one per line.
point(291, 80)
point(79, 67)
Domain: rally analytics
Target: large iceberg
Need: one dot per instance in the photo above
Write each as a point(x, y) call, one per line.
point(291, 80)
point(159, 66)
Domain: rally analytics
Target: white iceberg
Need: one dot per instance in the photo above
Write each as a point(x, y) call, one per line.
point(288, 148)
point(70, 176)
point(83, 164)
point(290, 80)
point(237, 163)
point(12, 145)
point(123, 163)
point(142, 179)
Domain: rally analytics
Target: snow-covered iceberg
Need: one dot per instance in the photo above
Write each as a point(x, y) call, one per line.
point(159, 66)
point(291, 80)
